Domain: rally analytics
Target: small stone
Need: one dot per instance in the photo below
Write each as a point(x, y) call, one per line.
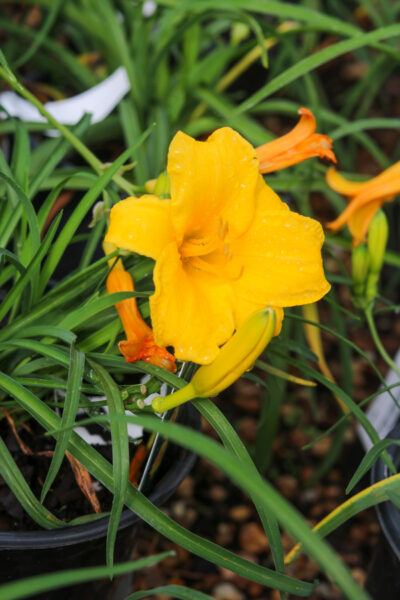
point(321, 448)
point(218, 493)
point(178, 509)
point(248, 428)
point(332, 491)
point(240, 513)
point(227, 591)
point(185, 489)
point(309, 496)
point(326, 591)
point(225, 534)
point(253, 539)
point(306, 473)
point(298, 438)
point(359, 575)
point(287, 485)
point(254, 589)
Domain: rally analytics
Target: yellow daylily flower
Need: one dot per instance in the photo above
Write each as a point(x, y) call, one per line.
point(225, 246)
point(366, 198)
point(299, 144)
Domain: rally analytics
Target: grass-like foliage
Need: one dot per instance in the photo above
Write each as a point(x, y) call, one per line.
point(192, 66)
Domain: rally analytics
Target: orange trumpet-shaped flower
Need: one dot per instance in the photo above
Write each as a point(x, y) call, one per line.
point(294, 147)
point(139, 344)
point(366, 198)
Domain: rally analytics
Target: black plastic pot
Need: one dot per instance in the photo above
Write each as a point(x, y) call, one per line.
point(24, 554)
point(383, 581)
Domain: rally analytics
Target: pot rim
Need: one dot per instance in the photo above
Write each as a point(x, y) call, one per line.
point(388, 513)
point(75, 534)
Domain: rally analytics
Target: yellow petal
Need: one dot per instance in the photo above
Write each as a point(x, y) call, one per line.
point(281, 258)
point(141, 225)
point(212, 183)
point(191, 310)
point(267, 199)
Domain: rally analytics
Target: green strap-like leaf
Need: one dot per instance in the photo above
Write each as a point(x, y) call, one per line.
point(100, 468)
point(26, 207)
point(120, 448)
point(387, 489)
point(51, 331)
point(58, 355)
point(16, 482)
point(80, 211)
point(17, 290)
point(175, 591)
point(265, 494)
point(71, 403)
point(26, 588)
point(233, 443)
point(90, 309)
point(315, 60)
point(50, 155)
point(13, 260)
point(369, 460)
point(349, 402)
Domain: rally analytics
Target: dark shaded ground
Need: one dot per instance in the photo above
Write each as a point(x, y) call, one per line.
point(209, 505)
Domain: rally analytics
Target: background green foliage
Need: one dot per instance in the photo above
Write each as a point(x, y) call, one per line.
point(193, 66)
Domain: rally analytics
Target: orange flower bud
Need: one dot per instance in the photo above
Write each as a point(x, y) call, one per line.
point(139, 344)
point(294, 147)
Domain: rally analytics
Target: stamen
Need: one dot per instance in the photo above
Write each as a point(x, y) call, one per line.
point(219, 228)
point(200, 247)
point(225, 271)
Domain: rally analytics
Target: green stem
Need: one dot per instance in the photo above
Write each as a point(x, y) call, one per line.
point(378, 343)
point(75, 142)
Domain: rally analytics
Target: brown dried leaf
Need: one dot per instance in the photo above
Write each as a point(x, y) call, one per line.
point(84, 482)
point(24, 447)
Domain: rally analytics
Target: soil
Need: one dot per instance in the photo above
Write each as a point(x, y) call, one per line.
point(208, 504)
point(65, 499)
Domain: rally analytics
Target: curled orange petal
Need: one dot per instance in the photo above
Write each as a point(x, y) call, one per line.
point(299, 144)
point(341, 185)
point(148, 351)
point(361, 220)
point(139, 344)
point(367, 198)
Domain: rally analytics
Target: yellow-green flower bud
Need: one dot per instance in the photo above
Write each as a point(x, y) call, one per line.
point(377, 240)
point(239, 32)
point(236, 356)
point(163, 186)
point(359, 268)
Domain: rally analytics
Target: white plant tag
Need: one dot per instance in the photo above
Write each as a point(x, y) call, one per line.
point(99, 101)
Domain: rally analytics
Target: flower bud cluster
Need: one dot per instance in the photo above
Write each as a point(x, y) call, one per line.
point(367, 261)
